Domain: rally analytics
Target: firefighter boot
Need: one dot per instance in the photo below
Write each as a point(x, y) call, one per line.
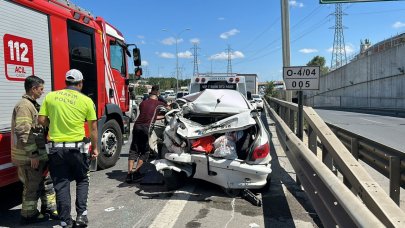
point(38, 217)
point(48, 199)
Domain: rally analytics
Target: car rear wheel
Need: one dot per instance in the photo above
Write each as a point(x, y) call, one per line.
point(266, 187)
point(174, 180)
point(110, 145)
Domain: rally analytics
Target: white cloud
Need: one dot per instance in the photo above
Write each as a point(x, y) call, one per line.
point(398, 24)
point(166, 55)
point(144, 63)
point(171, 41)
point(221, 18)
point(195, 40)
point(185, 55)
point(349, 49)
point(308, 50)
point(228, 34)
point(224, 56)
point(141, 37)
point(295, 3)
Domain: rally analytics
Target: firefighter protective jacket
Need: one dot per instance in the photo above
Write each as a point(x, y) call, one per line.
point(23, 125)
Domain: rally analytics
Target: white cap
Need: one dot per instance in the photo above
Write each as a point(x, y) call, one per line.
point(74, 75)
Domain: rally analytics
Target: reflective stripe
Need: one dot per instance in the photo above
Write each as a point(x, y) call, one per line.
point(62, 144)
point(6, 166)
point(30, 148)
point(23, 118)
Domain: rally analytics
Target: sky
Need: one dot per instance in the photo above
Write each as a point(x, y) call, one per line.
point(249, 30)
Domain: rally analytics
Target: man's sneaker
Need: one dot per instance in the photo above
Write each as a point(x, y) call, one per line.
point(34, 219)
point(81, 221)
point(67, 225)
point(137, 176)
point(130, 178)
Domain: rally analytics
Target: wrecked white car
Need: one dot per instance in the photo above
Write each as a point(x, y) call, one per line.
point(216, 136)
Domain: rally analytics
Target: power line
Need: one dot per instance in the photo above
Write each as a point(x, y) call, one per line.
point(304, 20)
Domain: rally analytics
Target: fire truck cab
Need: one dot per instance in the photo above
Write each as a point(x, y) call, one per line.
point(47, 38)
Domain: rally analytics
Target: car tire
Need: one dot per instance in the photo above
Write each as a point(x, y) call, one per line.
point(231, 192)
point(174, 180)
point(110, 145)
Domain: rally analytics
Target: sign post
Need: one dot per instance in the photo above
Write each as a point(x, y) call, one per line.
point(301, 78)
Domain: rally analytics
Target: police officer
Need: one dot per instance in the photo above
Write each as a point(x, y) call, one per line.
point(29, 158)
point(65, 112)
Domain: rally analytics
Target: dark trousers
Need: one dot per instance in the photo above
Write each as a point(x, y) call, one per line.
point(140, 143)
point(66, 165)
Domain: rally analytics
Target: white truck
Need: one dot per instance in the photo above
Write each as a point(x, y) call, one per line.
point(251, 82)
point(218, 81)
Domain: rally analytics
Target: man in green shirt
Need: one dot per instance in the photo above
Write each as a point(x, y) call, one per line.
point(65, 111)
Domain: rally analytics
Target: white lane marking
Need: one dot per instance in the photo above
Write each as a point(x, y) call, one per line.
point(371, 121)
point(253, 225)
point(109, 209)
point(232, 214)
point(6, 166)
point(171, 211)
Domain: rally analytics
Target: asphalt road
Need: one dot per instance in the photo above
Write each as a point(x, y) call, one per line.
point(114, 203)
point(386, 130)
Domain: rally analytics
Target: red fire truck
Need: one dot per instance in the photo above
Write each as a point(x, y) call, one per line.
point(49, 37)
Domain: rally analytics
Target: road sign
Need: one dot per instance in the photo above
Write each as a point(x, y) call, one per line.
point(351, 1)
point(301, 77)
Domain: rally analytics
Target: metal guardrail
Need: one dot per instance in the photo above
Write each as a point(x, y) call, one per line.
point(386, 160)
point(364, 204)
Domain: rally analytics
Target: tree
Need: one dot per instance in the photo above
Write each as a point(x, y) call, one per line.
point(270, 89)
point(141, 89)
point(319, 61)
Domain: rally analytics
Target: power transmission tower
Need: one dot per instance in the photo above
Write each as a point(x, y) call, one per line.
point(195, 54)
point(229, 67)
point(339, 48)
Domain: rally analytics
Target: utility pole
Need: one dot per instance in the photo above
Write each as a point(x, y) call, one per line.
point(176, 36)
point(229, 67)
point(285, 27)
point(339, 47)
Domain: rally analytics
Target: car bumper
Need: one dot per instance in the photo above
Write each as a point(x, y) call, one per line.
point(233, 174)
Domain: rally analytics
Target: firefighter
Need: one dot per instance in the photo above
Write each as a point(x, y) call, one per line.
point(30, 158)
point(65, 111)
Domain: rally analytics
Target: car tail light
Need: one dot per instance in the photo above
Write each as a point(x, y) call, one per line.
point(261, 151)
point(197, 80)
point(202, 80)
point(237, 80)
point(230, 79)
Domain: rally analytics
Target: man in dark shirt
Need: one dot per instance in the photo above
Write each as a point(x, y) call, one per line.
point(140, 134)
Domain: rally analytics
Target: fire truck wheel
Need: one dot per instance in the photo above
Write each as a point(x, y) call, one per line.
point(111, 144)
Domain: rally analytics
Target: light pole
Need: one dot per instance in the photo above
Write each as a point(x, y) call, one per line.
point(177, 55)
